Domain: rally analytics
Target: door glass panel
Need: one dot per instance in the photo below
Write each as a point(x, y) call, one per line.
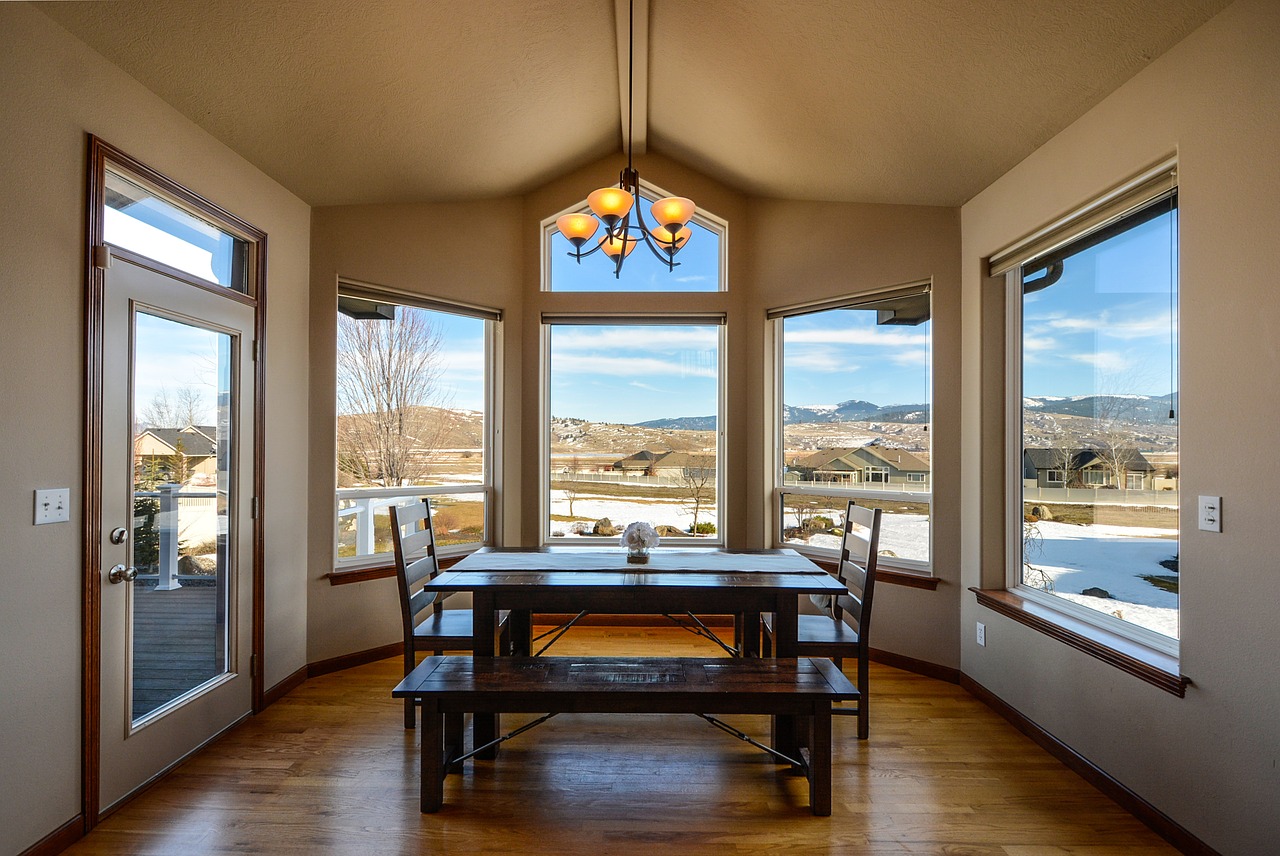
point(137, 219)
point(182, 401)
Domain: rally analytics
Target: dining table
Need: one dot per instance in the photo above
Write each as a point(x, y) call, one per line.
point(576, 580)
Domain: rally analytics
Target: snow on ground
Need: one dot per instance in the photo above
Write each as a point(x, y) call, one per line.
point(1112, 558)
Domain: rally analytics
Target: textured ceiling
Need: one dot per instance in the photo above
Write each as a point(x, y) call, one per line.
point(361, 101)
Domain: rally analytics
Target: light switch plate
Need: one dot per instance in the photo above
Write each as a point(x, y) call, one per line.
point(53, 505)
point(982, 634)
point(1211, 513)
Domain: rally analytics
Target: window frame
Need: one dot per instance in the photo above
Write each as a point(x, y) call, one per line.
point(652, 192)
point(549, 320)
point(1148, 189)
point(355, 567)
point(908, 568)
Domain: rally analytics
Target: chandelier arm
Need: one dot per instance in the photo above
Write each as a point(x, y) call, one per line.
point(667, 258)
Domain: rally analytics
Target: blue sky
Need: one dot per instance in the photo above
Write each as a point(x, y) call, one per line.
point(842, 354)
point(172, 355)
point(696, 268)
point(1105, 326)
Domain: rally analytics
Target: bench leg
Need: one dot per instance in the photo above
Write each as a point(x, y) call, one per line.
point(820, 759)
point(453, 741)
point(431, 786)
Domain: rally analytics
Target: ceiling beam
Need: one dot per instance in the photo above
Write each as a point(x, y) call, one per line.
point(640, 122)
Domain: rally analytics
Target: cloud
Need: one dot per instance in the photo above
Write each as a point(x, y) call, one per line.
point(646, 338)
point(1104, 361)
point(818, 358)
point(629, 366)
point(879, 337)
point(1122, 322)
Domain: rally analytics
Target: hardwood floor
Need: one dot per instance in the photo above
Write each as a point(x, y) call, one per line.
point(330, 769)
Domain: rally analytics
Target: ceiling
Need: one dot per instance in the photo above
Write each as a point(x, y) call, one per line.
point(369, 101)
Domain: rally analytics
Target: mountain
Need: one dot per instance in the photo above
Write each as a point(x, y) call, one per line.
point(1146, 409)
point(855, 410)
point(682, 423)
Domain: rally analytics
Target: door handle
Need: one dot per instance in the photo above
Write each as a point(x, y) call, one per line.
point(119, 535)
point(121, 574)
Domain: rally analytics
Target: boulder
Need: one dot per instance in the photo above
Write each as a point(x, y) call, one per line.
point(604, 526)
point(665, 531)
point(198, 566)
point(1094, 591)
point(1041, 512)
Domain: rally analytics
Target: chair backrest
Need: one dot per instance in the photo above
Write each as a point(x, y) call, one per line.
point(415, 548)
point(857, 570)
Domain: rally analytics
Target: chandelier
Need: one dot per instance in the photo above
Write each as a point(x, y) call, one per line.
point(614, 206)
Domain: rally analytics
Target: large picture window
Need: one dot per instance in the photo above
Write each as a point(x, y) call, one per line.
point(854, 422)
point(1094, 405)
point(413, 417)
point(634, 431)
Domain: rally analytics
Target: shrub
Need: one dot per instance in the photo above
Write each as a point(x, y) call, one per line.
point(704, 529)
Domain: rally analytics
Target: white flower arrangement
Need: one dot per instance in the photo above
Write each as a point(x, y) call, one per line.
point(639, 537)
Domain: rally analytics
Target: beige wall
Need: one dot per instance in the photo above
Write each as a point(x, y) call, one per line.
point(1210, 760)
point(470, 252)
point(55, 90)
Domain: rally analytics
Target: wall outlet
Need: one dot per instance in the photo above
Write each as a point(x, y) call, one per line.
point(1211, 513)
point(982, 634)
point(53, 505)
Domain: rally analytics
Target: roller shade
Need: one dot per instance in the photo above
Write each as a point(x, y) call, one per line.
point(887, 299)
point(1120, 201)
point(371, 296)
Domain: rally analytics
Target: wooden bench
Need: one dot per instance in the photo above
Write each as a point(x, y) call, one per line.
point(800, 691)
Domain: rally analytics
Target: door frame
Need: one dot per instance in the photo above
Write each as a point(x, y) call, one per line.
point(100, 154)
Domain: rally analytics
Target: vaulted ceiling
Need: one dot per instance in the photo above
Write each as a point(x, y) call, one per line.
point(899, 101)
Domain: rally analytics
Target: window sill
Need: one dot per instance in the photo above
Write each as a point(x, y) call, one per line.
point(889, 576)
point(1159, 670)
point(378, 572)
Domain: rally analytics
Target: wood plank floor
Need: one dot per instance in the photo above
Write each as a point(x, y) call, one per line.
point(330, 769)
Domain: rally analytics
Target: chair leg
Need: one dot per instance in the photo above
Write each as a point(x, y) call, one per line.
point(864, 700)
point(410, 712)
point(766, 644)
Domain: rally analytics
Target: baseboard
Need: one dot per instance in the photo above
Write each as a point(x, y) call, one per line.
point(288, 685)
point(919, 667)
point(58, 840)
point(359, 658)
point(1159, 822)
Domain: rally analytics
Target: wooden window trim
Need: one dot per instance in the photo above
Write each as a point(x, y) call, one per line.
point(1158, 669)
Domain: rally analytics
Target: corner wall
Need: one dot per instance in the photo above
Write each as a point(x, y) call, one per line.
point(1209, 761)
point(56, 90)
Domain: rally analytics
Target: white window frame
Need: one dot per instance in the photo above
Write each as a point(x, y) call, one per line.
point(544, 389)
point(921, 478)
point(1129, 478)
point(870, 475)
point(1094, 477)
point(1014, 441)
point(1049, 476)
point(492, 418)
point(652, 192)
point(782, 488)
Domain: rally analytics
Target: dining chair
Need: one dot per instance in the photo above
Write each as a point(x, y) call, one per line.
point(440, 629)
point(844, 628)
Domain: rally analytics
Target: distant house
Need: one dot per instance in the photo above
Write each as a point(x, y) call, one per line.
point(1126, 468)
point(669, 465)
point(872, 464)
point(156, 447)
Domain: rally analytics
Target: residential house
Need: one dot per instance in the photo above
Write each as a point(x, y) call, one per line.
point(156, 448)
point(869, 465)
point(1094, 468)
point(671, 466)
point(423, 148)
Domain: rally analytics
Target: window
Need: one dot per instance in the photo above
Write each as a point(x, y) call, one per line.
point(1054, 477)
point(413, 420)
point(1094, 337)
point(634, 429)
point(142, 221)
point(854, 421)
point(699, 264)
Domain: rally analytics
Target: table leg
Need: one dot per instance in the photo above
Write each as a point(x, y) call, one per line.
point(484, 631)
point(749, 636)
point(787, 736)
point(453, 743)
point(520, 624)
point(431, 784)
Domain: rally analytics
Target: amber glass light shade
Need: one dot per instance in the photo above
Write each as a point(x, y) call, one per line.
point(610, 204)
point(672, 213)
point(614, 245)
point(664, 238)
point(577, 227)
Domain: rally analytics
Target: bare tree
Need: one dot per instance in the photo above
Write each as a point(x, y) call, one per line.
point(391, 415)
point(184, 407)
point(698, 486)
point(569, 483)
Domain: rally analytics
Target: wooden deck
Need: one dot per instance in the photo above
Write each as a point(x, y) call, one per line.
point(331, 769)
point(175, 643)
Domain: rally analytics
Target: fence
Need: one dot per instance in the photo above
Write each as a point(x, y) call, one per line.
point(367, 509)
point(1099, 496)
point(181, 516)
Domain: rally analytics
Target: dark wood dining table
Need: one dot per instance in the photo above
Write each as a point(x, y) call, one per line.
point(674, 581)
